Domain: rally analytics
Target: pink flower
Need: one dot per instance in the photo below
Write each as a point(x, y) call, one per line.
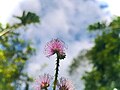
point(65, 84)
point(55, 46)
point(43, 82)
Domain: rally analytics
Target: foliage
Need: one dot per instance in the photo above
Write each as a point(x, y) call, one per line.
point(76, 62)
point(14, 52)
point(26, 18)
point(105, 57)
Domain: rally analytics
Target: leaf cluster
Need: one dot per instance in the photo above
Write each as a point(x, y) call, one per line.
point(14, 52)
point(105, 57)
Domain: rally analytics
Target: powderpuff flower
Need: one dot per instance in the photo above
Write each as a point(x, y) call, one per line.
point(65, 84)
point(43, 82)
point(55, 46)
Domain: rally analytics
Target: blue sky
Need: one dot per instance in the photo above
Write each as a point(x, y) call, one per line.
point(67, 20)
point(64, 19)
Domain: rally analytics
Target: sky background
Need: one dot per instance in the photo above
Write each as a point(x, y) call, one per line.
point(64, 19)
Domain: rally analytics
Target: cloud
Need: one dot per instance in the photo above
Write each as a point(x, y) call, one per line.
point(31, 5)
point(67, 20)
point(6, 9)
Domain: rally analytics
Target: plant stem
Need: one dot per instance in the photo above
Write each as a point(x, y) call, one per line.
point(56, 73)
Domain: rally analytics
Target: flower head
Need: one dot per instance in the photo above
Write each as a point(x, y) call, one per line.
point(65, 84)
point(43, 82)
point(55, 46)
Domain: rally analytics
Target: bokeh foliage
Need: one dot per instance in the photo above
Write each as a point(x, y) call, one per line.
point(14, 52)
point(105, 57)
point(25, 19)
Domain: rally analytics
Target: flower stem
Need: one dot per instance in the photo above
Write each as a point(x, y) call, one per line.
point(56, 73)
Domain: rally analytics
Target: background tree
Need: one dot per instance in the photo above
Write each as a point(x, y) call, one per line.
point(14, 52)
point(105, 57)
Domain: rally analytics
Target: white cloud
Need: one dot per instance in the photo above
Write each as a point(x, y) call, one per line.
point(7, 8)
point(31, 5)
point(55, 20)
point(113, 6)
point(66, 19)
